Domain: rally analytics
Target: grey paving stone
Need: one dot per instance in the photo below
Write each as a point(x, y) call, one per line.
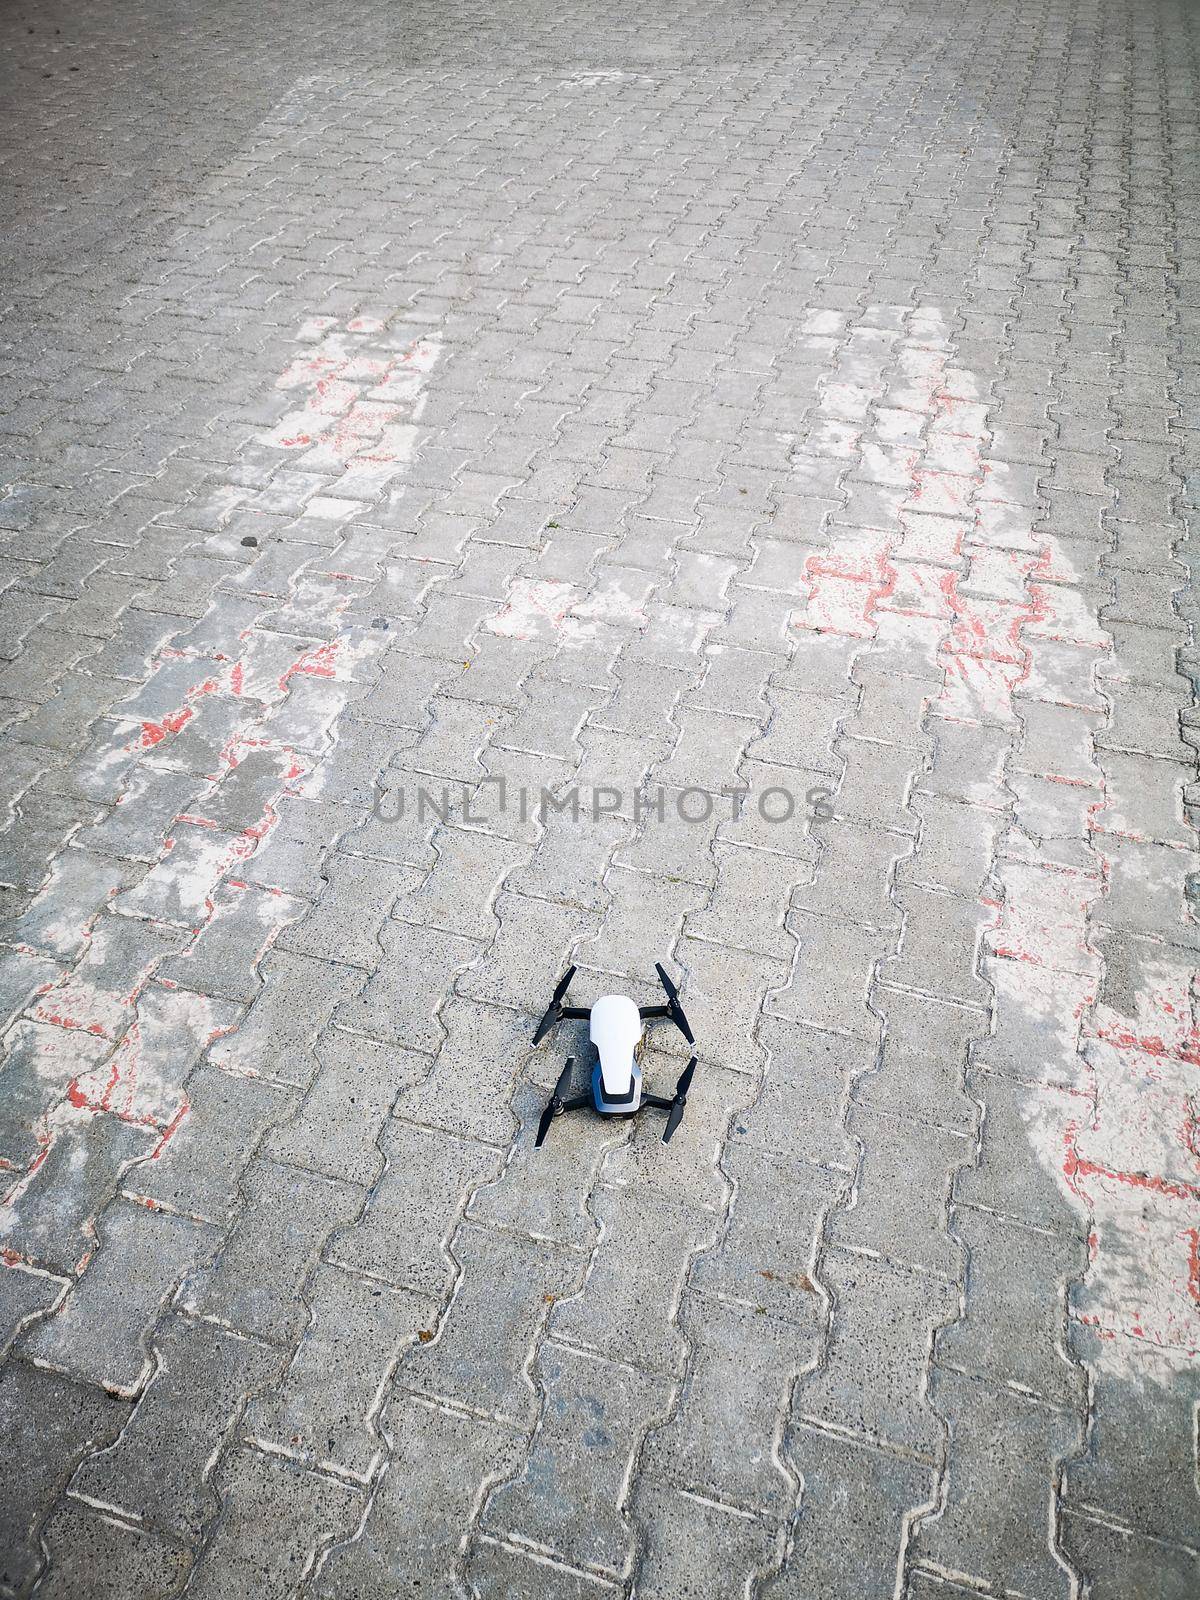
point(688, 1164)
point(100, 1331)
point(46, 822)
point(51, 1221)
point(197, 1170)
point(767, 1244)
point(49, 1423)
point(399, 1003)
point(469, 1083)
point(707, 751)
point(563, 866)
point(148, 806)
point(169, 1031)
point(346, 924)
point(872, 1377)
point(860, 1554)
point(99, 994)
point(644, 913)
point(1145, 892)
point(502, 1299)
point(58, 919)
point(157, 1473)
point(1035, 1040)
point(323, 1409)
point(513, 972)
point(967, 763)
point(695, 1547)
point(922, 1060)
point(545, 1192)
point(344, 1116)
point(1013, 1113)
point(800, 732)
point(223, 960)
point(25, 1296)
point(741, 1365)
point(1013, 1328)
point(494, 1569)
point(798, 1113)
point(255, 1285)
point(1143, 798)
point(956, 846)
point(93, 1553)
point(292, 855)
point(414, 1525)
point(763, 877)
point(1137, 1469)
point(938, 951)
point(41, 1064)
point(458, 893)
point(624, 1309)
point(891, 708)
point(277, 1038)
point(851, 878)
point(725, 989)
point(1117, 1562)
point(901, 1192)
point(592, 1406)
point(1008, 1540)
point(669, 845)
point(826, 951)
point(304, 1511)
point(178, 888)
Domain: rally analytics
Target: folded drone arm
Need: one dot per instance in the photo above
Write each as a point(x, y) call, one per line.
point(672, 1008)
point(557, 1012)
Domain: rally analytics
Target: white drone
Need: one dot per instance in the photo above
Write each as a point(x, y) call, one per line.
point(617, 1029)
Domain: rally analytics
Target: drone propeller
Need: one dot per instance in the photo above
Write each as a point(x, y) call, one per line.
point(554, 1008)
point(555, 1103)
point(674, 1009)
point(675, 1115)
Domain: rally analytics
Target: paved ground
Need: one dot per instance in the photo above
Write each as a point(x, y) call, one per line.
point(619, 402)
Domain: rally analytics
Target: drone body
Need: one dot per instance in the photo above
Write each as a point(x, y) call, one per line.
point(616, 1029)
point(616, 1026)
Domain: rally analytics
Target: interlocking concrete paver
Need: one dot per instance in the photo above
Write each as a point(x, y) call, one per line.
point(323, 1409)
point(603, 1407)
point(50, 1424)
point(156, 1474)
point(684, 412)
point(304, 1511)
point(255, 1284)
point(92, 1552)
point(100, 1330)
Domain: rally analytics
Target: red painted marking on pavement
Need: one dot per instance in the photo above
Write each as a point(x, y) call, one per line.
point(319, 662)
point(171, 1129)
point(1076, 1166)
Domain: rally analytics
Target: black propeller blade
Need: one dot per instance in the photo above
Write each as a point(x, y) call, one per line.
point(553, 1009)
point(675, 1115)
point(555, 1103)
point(673, 1006)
